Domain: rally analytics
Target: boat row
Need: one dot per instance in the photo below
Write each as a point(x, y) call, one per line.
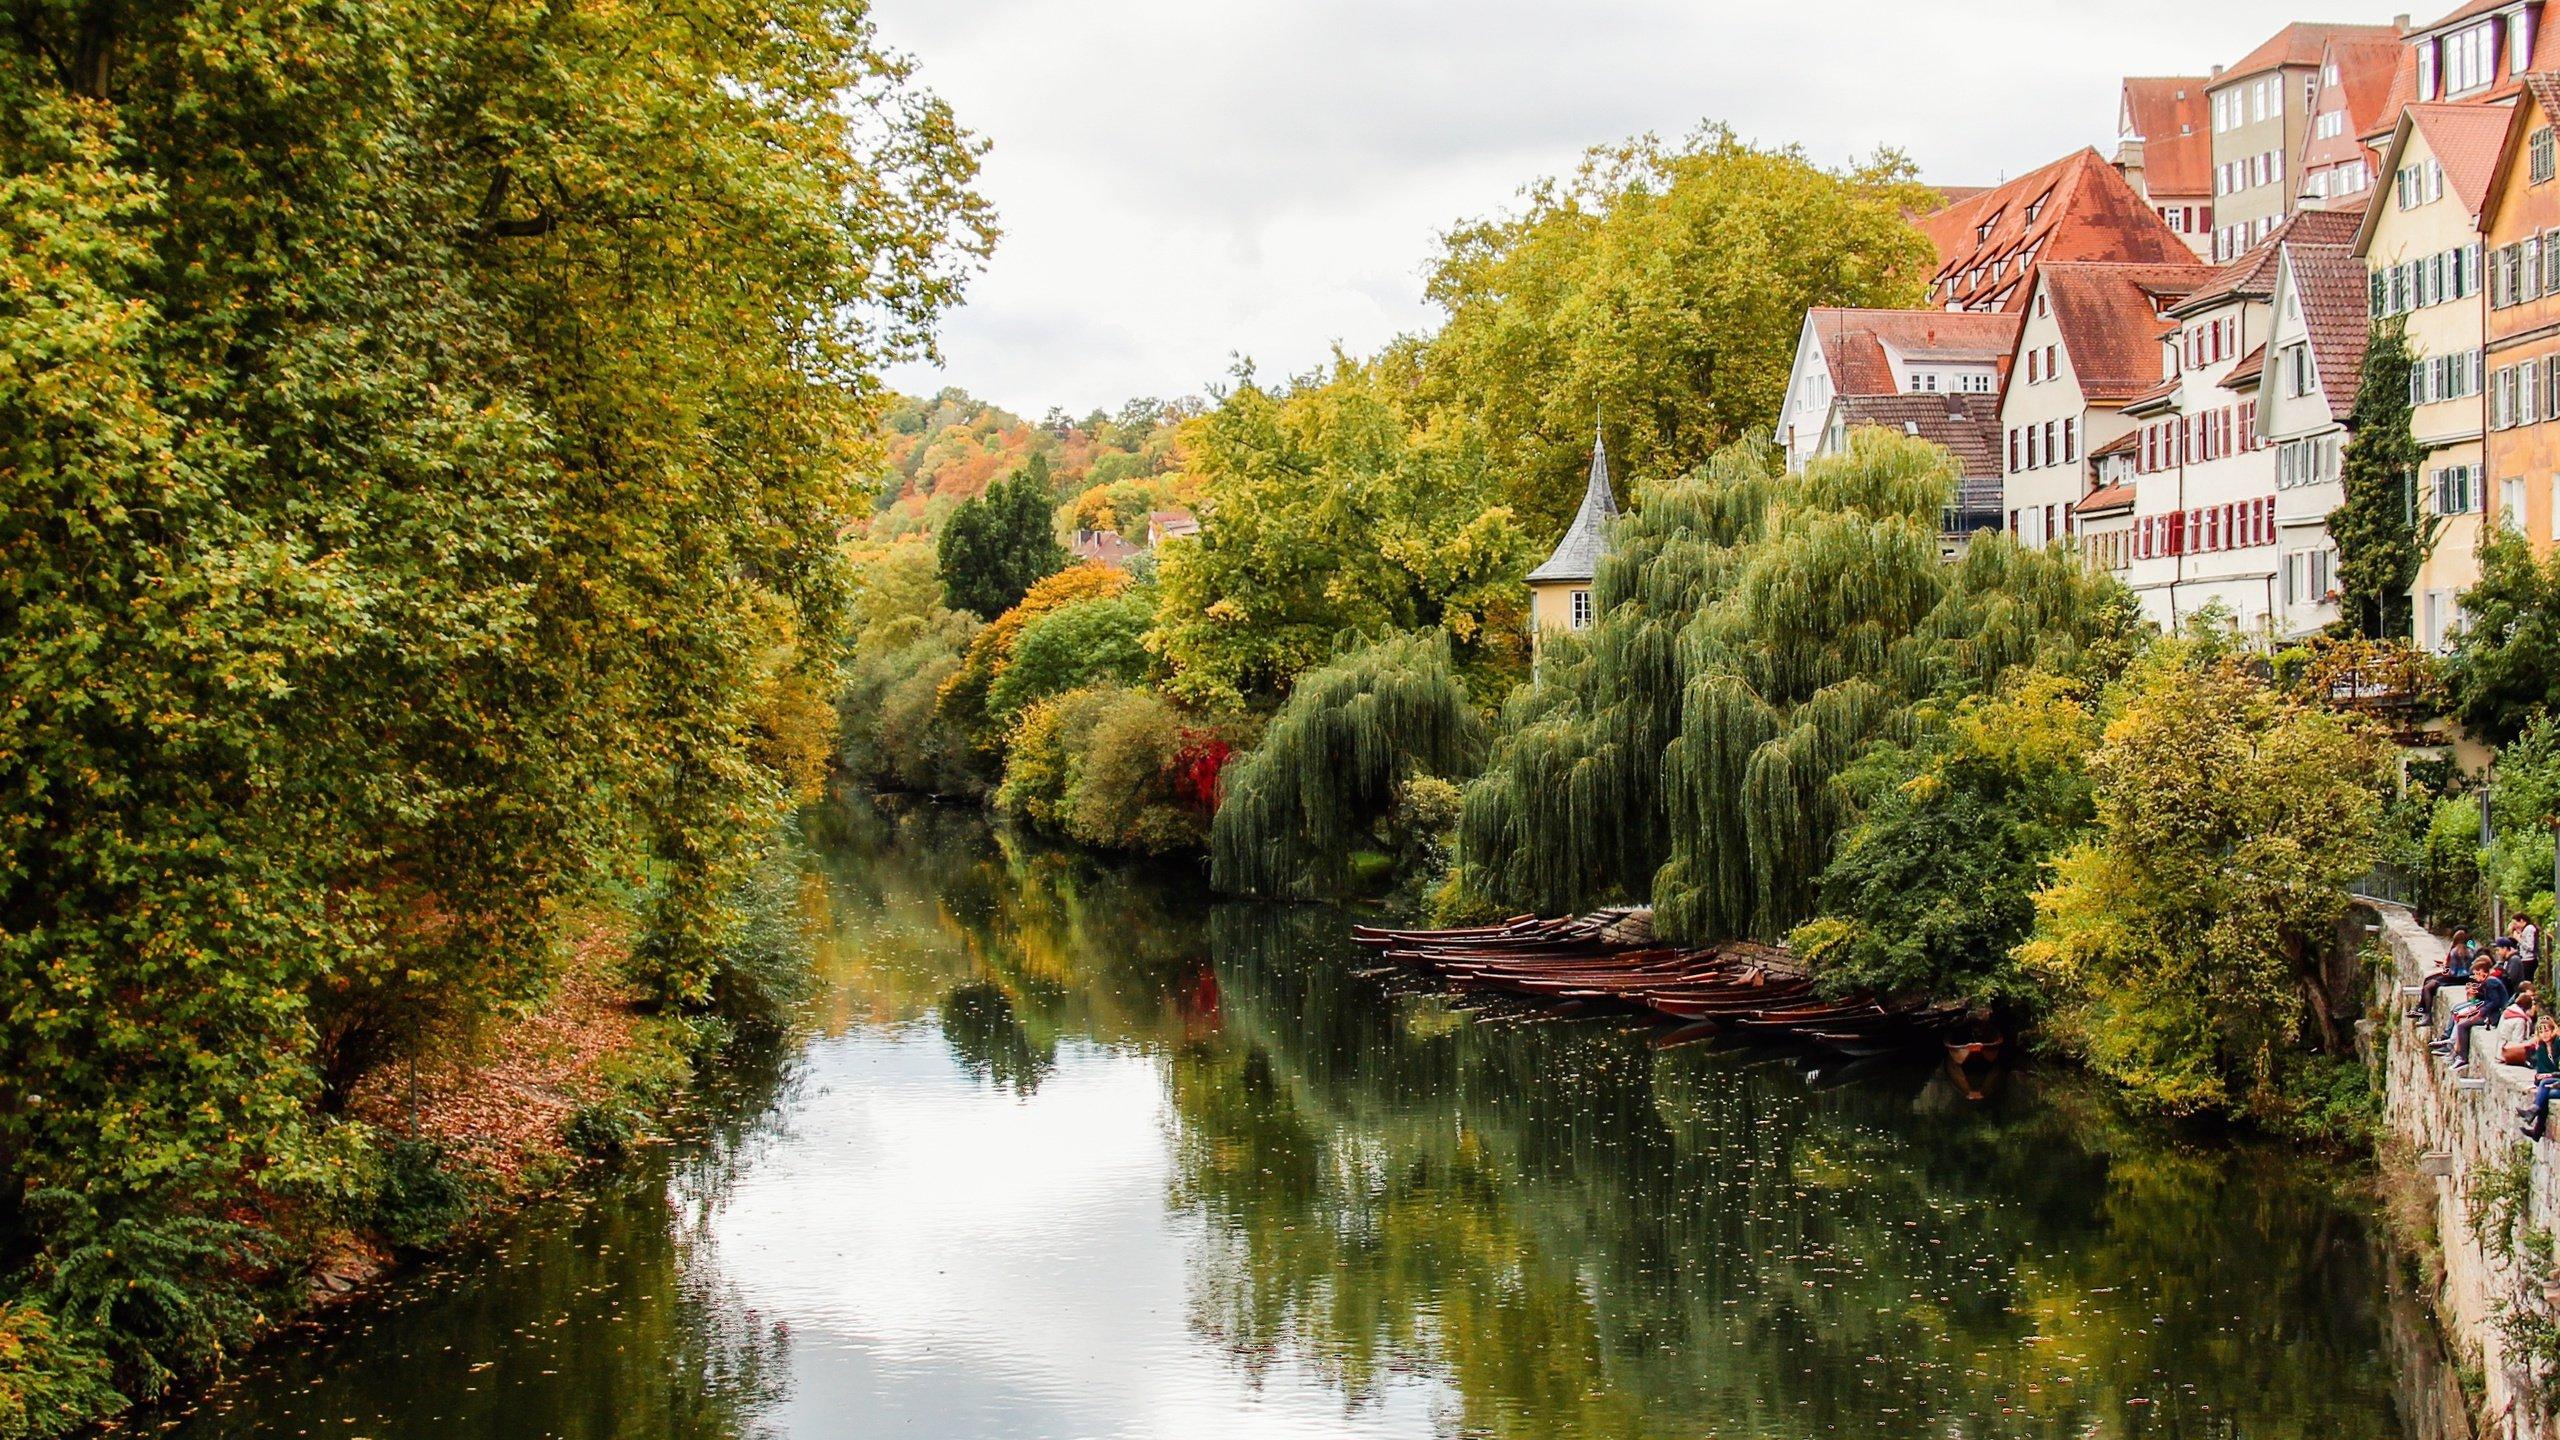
point(1612, 957)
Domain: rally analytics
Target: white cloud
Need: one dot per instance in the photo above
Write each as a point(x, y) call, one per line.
point(1181, 182)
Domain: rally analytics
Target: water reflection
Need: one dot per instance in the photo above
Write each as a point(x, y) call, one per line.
point(1070, 1152)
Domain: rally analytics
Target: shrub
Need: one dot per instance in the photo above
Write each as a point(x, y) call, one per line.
point(51, 1383)
point(1088, 642)
point(165, 1295)
point(419, 1197)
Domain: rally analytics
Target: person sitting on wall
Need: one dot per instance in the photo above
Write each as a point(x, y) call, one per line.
point(2520, 950)
point(2457, 967)
point(2544, 1056)
point(2488, 1006)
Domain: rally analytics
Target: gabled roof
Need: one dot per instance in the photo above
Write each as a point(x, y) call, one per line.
point(2540, 101)
point(1854, 342)
point(1578, 554)
point(2253, 275)
point(2299, 43)
point(2124, 444)
point(2174, 120)
point(1968, 426)
point(2546, 53)
point(2464, 138)
point(2330, 283)
point(2368, 68)
point(2109, 316)
point(2077, 208)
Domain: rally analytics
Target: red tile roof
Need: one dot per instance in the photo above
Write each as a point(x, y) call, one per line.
point(2253, 275)
point(2331, 283)
point(2174, 119)
point(2299, 43)
point(2465, 141)
point(2124, 444)
point(2368, 67)
point(2109, 316)
point(1854, 341)
point(2106, 499)
point(1967, 425)
point(2247, 370)
point(2082, 210)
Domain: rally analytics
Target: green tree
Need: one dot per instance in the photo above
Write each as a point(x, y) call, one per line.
point(1935, 885)
point(1757, 635)
point(1335, 763)
point(2505, 669)
point(1089, 642)
point(997, 546)
point(417, 423)
point(1329, 514)
point(2185, 939)
point(2381, 539)
point(1666, 286)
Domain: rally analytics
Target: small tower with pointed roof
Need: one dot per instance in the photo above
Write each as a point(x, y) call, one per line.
point(1560, 590)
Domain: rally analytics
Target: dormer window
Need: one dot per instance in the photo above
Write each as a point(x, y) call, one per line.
point(2470, 58)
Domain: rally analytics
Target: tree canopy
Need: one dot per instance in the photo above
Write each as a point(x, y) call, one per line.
point(425, 432)
point(2184, 938)
point(1756, 637)
point(1662, 286)
point(1331, 512)
point(1000, 544)
point(2505, 669)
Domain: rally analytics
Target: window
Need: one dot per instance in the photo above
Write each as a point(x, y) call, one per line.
point(2470, 58)
point(2258, 102)
point(2455, 489)
point(2427, 70)
point(1581, 609)
point(2520, 41)
point(2033, 357)
point(2297, 369)
point(2013, 449)
point(2511, 504)
point(2539, 150)
point(2555, 507)
point(2070, 441)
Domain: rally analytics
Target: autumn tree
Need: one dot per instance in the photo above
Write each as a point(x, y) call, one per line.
point(424, 433)
point(2185, 939)
point(1333, 515)
point(1662, 286)
point(2381, 537)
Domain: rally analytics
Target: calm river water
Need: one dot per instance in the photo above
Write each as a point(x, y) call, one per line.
point(1070, 1152)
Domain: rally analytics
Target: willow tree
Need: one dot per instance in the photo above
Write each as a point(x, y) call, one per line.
point(1759, 634)
point(1331, 766)
point(1568, 814)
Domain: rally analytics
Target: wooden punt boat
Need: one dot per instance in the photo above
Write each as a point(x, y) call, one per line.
point(1865, 1043)
point(1712, 1005)
point(1976, 1052)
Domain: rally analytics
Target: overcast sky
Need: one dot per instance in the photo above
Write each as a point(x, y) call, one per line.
point(1185, 181)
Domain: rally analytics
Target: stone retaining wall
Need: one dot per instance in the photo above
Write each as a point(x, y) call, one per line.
point(2460, 1131)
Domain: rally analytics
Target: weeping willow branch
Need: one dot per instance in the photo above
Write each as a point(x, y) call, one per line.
point(1350, 735)
point(1758, 634)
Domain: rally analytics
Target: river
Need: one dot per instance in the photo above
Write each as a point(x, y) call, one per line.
point(1069, 1151)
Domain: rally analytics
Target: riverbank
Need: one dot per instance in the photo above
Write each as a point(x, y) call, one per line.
point(481, 1123)
point(2484, 1200)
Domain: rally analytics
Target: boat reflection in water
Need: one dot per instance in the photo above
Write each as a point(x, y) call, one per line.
point(1068, 1151)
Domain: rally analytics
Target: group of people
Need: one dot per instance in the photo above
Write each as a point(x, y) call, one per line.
point(2498, 996)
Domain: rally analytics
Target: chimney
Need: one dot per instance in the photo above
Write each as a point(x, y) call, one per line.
point(2400, 23)
point(2217, 73)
